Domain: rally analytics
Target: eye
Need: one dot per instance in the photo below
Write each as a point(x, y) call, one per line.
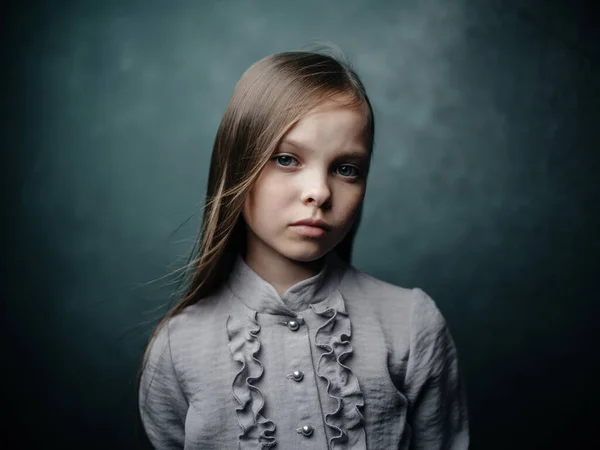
point(347, 170)
point(284, 160)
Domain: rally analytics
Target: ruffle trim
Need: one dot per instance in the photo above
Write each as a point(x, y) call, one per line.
point(342, 385)
point(257, 431)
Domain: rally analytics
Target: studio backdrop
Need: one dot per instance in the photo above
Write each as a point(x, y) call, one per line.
point(483, 192)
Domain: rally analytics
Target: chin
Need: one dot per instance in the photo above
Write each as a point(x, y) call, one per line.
point(305, 252)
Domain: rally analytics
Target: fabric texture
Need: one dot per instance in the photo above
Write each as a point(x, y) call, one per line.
point(341, 361)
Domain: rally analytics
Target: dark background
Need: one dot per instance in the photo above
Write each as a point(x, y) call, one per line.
point(483, 192)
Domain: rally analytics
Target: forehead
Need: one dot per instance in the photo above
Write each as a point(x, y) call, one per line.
point(331, 124)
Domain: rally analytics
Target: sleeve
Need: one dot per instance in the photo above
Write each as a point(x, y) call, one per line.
point(162, 404)
point(437, 413)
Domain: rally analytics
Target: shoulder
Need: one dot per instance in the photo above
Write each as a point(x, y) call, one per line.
point(195, 326)
point(369, 285)
point(398, 306)
point(386, 295)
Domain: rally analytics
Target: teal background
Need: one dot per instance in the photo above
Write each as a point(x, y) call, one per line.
point(483, 192)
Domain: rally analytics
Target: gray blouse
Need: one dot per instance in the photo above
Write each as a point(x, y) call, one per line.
point(340, 361)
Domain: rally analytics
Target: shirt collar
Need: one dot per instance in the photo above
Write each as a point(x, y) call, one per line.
point(258, 294)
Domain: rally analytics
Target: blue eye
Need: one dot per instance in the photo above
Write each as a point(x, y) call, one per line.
point(351, 174)
point(285, 158)
point(345, 170)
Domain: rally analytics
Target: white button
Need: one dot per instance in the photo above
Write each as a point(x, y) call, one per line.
point(296, 375)
point(293, 325)
point(306, 430)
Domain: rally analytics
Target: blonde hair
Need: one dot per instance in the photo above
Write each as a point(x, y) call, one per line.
point(270, 97)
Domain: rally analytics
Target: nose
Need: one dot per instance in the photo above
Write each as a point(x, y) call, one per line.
point(316, 190)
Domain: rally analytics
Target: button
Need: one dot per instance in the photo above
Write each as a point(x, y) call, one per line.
point(296, 375)
point(306, 430)
point(293, 325)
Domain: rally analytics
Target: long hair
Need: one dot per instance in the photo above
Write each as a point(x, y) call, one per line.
point(270, 97)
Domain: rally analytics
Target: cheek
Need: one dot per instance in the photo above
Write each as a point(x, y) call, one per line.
point(267, 199)
point(351, 201)
point(273, 193)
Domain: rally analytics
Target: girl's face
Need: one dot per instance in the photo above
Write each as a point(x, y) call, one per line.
point(317, 172)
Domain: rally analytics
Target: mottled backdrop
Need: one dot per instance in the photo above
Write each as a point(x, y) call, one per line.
point(483, 192)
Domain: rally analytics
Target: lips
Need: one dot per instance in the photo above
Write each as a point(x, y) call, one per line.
point(314, 223)
point(309, 231)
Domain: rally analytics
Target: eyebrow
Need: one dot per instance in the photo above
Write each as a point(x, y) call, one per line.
point(355, 154)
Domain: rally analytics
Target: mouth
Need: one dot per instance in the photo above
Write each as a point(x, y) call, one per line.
point(309, 230)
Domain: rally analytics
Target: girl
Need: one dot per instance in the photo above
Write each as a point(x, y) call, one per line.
point(279, 340)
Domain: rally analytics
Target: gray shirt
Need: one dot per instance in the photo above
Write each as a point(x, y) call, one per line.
point(341, 361)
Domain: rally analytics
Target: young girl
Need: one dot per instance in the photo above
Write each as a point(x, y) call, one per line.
point(280, 341)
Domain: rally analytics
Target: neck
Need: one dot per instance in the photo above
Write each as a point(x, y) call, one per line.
point(279, 271)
